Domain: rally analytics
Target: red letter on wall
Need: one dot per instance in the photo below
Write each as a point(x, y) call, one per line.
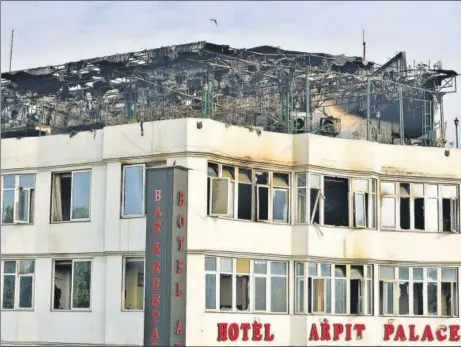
point(222, 331)
point(156, 268)
point(181, 199)
point(157, 226)
point(156, 284)
point(157, 195)
point(181, 221)
point(181, 243)
point(158, 211)
point(156, 249)
point(179, 291)
point(179, 328)
point(180, 269)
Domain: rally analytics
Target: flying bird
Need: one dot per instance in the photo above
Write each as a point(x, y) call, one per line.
point(215, 21)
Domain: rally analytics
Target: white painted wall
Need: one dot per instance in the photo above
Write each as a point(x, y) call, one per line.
point(107, 237)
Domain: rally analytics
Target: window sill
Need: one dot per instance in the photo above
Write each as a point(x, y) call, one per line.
point(83, 310)
point(15, 224)
point(424, 317)
point(416, 231)
point(133, 216)
point(72, 221)
point(247, 312)
point(128, 310)
point(332, 314)
point(248, 220)
point(18, 309)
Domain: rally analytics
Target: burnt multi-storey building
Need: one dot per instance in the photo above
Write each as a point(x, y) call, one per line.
point(205, 195)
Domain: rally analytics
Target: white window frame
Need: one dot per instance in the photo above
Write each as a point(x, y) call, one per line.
point(370, 215)
point(319, 201)
point(219, 179)
point(396, 196)
point(254, 193)
point(129, 259)
point(273, 189)
point(251, 288)
point(17, 188)
point(366, 280)
point(143, 211)
point(53, 188)
point(72, 261)
point(17, 285)
point(306, 191)
point(395, 283)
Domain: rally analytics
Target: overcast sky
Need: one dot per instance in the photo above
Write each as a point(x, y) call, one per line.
point(53, 32)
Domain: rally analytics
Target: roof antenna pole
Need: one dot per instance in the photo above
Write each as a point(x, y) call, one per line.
point(364, 45)
point(11, 47)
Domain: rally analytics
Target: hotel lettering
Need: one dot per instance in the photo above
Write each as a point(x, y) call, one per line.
point(165, 278)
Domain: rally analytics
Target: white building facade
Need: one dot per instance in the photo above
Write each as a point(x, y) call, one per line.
point(291, 239)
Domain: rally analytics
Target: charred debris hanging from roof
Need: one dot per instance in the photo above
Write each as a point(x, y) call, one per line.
point(264, 87)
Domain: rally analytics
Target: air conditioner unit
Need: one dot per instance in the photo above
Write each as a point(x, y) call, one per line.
point(330, 126)
point(299, 124)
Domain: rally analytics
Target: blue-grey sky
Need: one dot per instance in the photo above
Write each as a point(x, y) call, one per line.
point(53, 32)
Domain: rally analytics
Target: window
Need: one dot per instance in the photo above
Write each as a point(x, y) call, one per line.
point(334, 289)
point(248, 194)
point(133, 190)
point(301, 205)
point(18, 284)
point(243, 285)
point(330, 199)
point(133, 284)
point(72, 285)
point(415, 206)
point(18, 199)
point(406, 291)
point(71, 196)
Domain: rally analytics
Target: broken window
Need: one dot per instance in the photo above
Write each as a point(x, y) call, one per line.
point(18, 199)
point(418, 285)
point(351, 285)
point(360, 288)
point(228, 283)
point(315, 201)
point(262, 195)
point(301, 201)
point(432, 301)
point(336, 204)
point(133, 190)
point(133, 284)
point(280, 196)
point(450, 208)
point(18, 284)
point(449, 304)
point(404, 190)
point(72, 284)
point(229, 173)
point(415, 291)
point(388, 205)
point(245, 187)
point(259, 195)
point(71, 196)
point(364, 203)
point(404, 291)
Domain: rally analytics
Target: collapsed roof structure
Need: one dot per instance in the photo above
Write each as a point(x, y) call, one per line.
point(263, 87)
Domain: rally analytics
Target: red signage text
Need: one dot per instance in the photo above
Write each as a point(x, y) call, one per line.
point(245, 331)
